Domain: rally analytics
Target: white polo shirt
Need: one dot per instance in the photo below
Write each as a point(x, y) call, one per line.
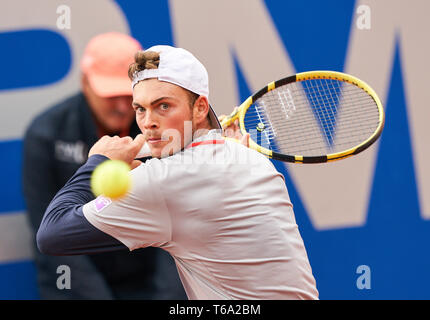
point(223, 212)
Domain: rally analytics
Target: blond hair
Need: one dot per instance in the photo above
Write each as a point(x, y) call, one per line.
point(143, 60)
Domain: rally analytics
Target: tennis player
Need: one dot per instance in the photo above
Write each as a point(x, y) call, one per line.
point(229, 225)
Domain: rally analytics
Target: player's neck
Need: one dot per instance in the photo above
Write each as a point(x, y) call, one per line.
point(201, 130)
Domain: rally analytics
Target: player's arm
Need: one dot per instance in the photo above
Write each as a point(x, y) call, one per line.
point(74, 223)
point(64, 230)
point(40, 186)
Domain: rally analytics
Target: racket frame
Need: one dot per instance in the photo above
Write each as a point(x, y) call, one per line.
point(309, 75)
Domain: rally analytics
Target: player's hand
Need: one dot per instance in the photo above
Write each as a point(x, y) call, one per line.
point(233, 131)
point(116, 148)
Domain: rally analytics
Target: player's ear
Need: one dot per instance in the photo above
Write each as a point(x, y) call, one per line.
point(200, 109)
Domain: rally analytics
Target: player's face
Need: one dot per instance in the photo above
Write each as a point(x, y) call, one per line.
point(114, 114)
point(164, 116)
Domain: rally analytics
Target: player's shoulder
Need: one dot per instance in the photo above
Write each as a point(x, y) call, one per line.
point(152, 173)
point(151, 165)
point(246, 159)
point(242, 153)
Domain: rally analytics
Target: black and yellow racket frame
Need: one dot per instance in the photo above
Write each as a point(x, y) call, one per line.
point(310, 75)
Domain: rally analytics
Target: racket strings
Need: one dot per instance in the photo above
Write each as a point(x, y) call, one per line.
point(351, 114)
point(261, 106)
point(322, 104)
point(306, 133)
point(300, 123)
point(359, 101)
point(312, 117)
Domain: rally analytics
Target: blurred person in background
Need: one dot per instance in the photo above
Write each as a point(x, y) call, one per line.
point(56, 144)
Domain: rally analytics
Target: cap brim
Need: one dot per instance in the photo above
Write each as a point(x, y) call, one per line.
point(110, 86)
point(214, 119)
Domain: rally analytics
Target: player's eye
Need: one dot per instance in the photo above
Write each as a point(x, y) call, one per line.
point(139, 109)
point(164, 106)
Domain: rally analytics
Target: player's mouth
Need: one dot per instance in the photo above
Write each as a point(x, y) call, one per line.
point(155, 140)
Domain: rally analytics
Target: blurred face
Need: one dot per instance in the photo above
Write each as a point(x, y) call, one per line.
point(114, 114)
point(164, 115)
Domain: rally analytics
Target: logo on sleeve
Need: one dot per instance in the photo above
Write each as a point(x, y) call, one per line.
point(101, 202)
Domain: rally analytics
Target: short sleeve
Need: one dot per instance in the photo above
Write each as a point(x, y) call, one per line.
point(141, 218)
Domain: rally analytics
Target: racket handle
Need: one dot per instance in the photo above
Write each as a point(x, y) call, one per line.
point(229, 119)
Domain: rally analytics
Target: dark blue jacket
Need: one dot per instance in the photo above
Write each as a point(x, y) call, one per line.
point(56, 144)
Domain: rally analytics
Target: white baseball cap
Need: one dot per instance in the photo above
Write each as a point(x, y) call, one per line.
point(182, 68)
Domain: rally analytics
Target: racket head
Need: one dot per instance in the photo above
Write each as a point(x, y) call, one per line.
point(312, 117)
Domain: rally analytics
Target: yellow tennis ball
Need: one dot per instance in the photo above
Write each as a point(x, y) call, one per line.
point(111, 178)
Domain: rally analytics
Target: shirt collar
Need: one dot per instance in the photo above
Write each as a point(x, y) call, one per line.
point(211, 135)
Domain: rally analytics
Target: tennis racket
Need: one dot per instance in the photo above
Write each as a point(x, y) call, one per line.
point(311, 117)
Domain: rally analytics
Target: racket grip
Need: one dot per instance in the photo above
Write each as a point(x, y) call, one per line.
point(226, 122)
point(229, 119)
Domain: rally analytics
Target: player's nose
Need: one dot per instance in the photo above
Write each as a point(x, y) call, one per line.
point(150, 120)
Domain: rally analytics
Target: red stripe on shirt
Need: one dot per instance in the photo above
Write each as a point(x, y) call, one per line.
point(195, 144)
